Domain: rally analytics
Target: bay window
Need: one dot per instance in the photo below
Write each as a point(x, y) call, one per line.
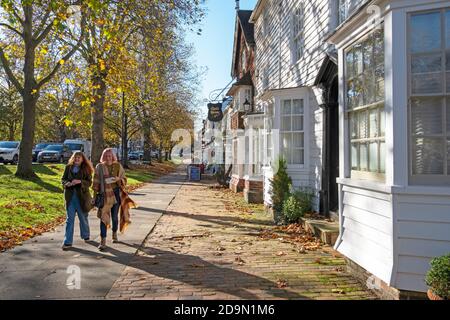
point(292, 131)
point(364, 79)
point(268, 126)
point(429, 97)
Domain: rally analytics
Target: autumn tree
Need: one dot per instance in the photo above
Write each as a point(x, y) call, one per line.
point(111, 25)
point(34, 25)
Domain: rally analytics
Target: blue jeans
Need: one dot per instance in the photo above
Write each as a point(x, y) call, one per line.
point(74, 207)
point(114, 216)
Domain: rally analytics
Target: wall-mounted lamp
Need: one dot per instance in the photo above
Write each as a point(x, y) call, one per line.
point(247, 106)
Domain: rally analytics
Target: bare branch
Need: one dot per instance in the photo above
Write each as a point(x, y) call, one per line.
point(44, 33)
point(9, 73)
point(12, 29)
point(42, 24)
point(66, 57)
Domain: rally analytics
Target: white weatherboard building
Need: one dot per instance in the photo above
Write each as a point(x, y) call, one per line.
point(355, 96)
point(394, 138)
point(290, 54)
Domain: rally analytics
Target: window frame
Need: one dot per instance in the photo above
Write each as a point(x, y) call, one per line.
point(444, 96)
point(291, 116)
point(298, 38)
point(378, 176)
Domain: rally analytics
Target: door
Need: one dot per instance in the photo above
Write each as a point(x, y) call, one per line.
point(333, 204)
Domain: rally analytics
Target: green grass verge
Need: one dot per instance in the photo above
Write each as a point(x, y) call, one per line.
point(27, 203)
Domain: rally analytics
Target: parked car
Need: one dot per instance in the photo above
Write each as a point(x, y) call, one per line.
point(133, 155)
point(55, 153)
point(39, 147)
point(9, 152)
point(79, 145)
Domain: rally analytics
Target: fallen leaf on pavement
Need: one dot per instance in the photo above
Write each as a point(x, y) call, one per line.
point(340, 291)
point(281, 283)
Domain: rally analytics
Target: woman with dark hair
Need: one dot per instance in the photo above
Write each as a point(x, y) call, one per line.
point(76, 180)
point(110, 173)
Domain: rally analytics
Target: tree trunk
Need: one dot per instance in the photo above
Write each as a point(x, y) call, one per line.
point(160, 152)
point(97, 117)
point(124, 137)
point(147, 143)
point(29, 100)
point(11, 131)
point(166, 156)
point(25, 166)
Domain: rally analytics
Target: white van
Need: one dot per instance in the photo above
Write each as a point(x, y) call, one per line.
point(79, 145)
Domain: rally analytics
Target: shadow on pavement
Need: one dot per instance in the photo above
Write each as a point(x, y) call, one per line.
point(195, 271)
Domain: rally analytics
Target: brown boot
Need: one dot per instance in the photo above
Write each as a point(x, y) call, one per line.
point(115, 238)
point(102, 246)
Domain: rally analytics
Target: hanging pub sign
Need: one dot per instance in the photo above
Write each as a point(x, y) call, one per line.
point(215, 113)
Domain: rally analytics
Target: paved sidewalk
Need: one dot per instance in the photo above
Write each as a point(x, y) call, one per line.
point(38, 268)
point(208, 246)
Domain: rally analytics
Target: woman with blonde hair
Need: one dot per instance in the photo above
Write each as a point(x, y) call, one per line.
point(110, 180)
point(77, 180)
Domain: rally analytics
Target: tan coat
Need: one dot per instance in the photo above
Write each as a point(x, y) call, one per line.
point(110, 200)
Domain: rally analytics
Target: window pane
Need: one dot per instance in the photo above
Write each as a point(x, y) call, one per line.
point(363, 125)
point(379, 84)
point(373, 122)
point(354, 156)
point(298, 156)
point(425, 32)
point(447, 28)
point(448, 81)
point(447, 60)
point(427, 83)
point(382, 157)
point(350, 94)
point(286, 109)
point(367, 47)
point(448, 157)
point(286, 140)
point(382, 122)
point(287, 154)
point(369, 87)
point(353, 126)
point(379, 47)
point(448, 117)
point(297, 123)
point(428, 156)
point(358, 58)
point(363, 156)
point(286, 123)
point(426, 63)
point(373, 157)
point(426, 116)
point(297, 106)
point(349, 65)
point(298, 140)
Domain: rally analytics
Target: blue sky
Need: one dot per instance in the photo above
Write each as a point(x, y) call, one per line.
point(213, 48)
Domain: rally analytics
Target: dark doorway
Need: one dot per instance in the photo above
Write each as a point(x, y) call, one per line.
point(333, 127)
point(327, 80)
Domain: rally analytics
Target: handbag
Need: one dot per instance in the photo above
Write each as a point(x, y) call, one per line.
point(100, 196)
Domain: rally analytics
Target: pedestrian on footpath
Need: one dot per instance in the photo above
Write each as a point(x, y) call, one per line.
point(77, 180)
point(110, 180)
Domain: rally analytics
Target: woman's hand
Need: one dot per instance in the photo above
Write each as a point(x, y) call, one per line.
point(75, 182)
